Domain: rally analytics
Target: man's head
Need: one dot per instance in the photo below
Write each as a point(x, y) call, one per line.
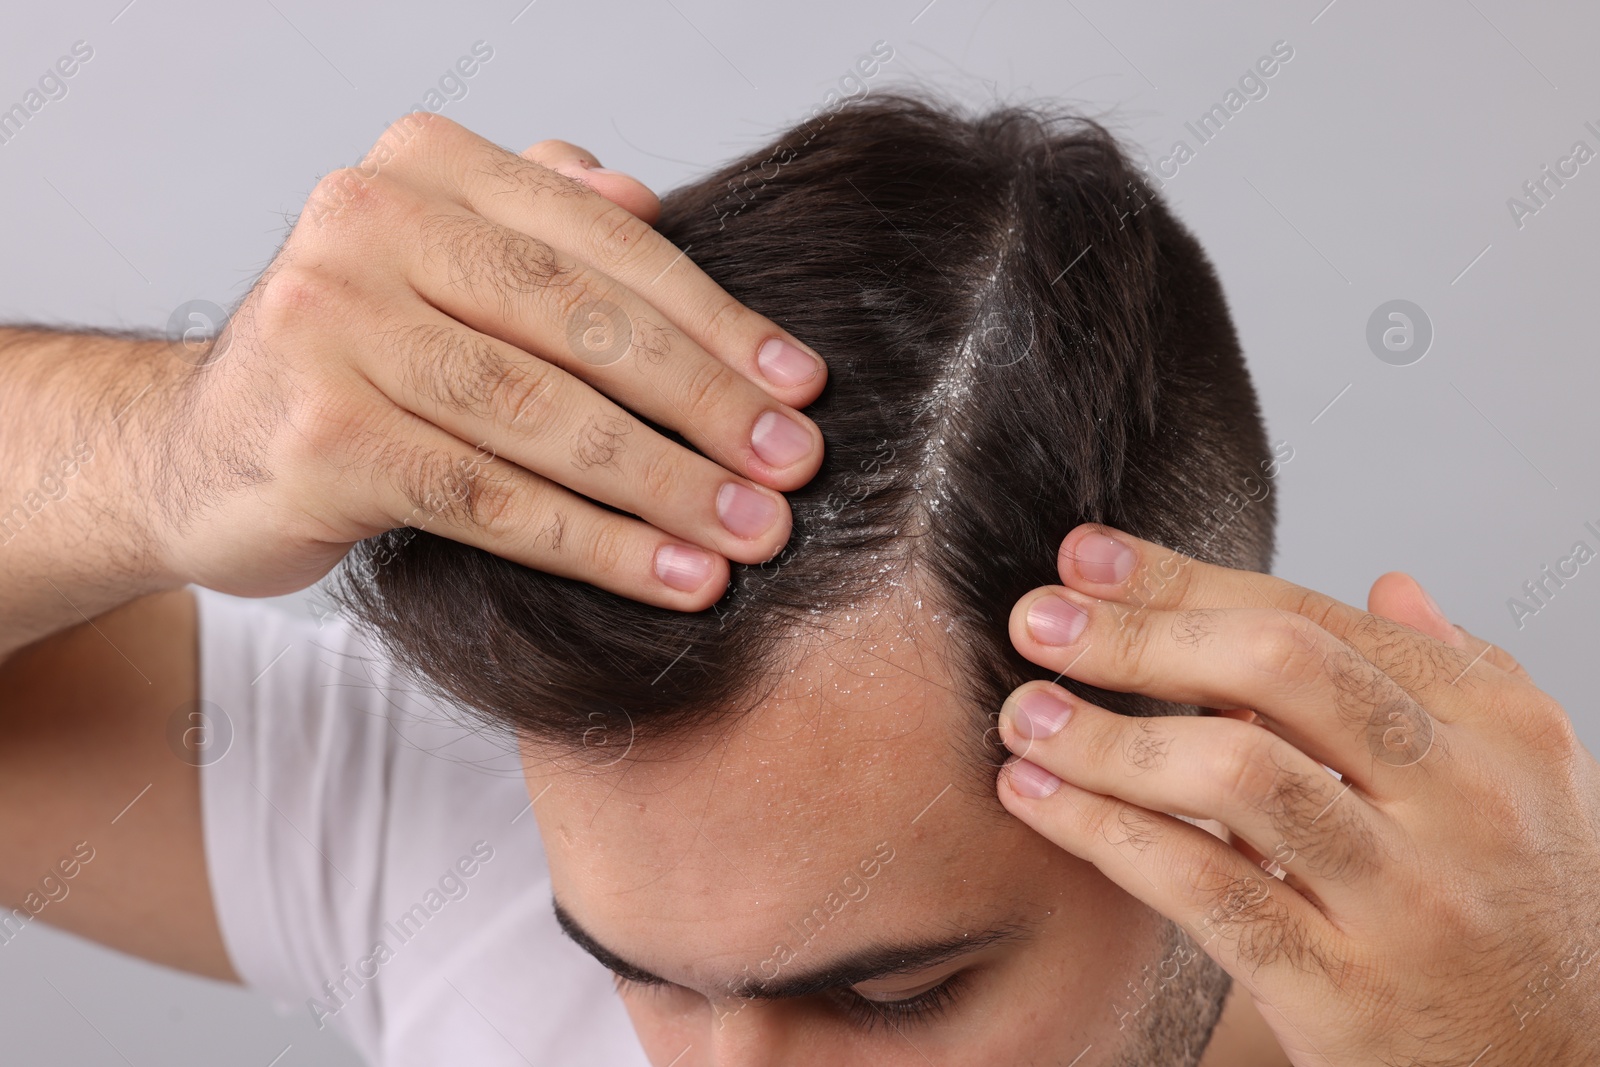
point(740, 802)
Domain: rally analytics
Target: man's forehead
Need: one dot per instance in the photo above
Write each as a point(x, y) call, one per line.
point(835, 816)
point(860, 729)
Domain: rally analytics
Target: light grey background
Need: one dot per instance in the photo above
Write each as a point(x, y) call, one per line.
point(1378, 167)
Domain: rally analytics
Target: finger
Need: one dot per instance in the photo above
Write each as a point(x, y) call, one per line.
point(617, 187)
point(1138, 576)
point(1272, 797)
point(1257, 927)
point(1486, 652)
point(1318, 693)
point(514, 288)
point(543, 419)
point(526, 198)
point(431, 481)
point(1401, 597)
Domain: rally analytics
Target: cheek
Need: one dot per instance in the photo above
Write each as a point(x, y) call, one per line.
point(1067, 988)
point(1093, 969)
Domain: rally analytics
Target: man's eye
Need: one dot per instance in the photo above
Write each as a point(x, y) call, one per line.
point(625, 984)
point(923, 1008)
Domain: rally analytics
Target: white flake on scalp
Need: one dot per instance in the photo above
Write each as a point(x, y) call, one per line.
point(957, 378)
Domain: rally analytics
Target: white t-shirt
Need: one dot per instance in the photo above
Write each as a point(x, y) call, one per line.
point(374, 860)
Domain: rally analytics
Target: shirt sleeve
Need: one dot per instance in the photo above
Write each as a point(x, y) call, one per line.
point(327, 784)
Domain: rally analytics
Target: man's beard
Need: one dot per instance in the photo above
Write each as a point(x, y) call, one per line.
point(1174, 1006)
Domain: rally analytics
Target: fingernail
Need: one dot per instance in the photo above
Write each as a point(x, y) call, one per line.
point(1038, 714)
point(784, 364)
point(1053, 621)
point(1031, 780)
point(779, 440)
point(1102, 559)
point(745, 512)
point(682, 567)
point(577, 168)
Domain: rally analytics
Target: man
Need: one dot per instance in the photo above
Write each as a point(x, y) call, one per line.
point(254, 475)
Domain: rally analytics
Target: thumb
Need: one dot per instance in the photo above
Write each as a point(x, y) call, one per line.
point(1399, 597)
point(621, 189)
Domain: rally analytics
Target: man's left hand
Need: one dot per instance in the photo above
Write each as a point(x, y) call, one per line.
point(1433, 903)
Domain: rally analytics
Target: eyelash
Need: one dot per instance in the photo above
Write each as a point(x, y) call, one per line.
point(925, 1007)
point(626, 984)
point(867, 1014)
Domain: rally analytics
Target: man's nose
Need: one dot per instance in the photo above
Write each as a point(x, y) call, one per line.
point(755, 1034)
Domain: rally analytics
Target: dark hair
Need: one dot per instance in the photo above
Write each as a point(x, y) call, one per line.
point(1020, 337)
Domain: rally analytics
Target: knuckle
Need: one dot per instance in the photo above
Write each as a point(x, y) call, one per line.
point(337, 185)
point(413, 126)
point(1413, 663)
point(1232, 900)
point(526, 264)
point(291, 293)
point(419, 473)
point(1247, 775)
point(526, 392)
point(1316, 608)
point(708, 388)
point(457, 370)
point(616, 236)
point(1136, 649)
point(577, 299)
point(607, 550)
point(488, 501)
point(1344, 847)
point(327, 422)
point(661, 476)
point(600, 440)
point(1366, 697)
point(488, 259)
point(1549, 729)
point(1279, 645)
point(725, 318)
point(1269, 936)
point(349, 193)
point(451, 490)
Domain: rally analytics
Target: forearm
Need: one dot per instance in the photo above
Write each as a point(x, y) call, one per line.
point(81, 443)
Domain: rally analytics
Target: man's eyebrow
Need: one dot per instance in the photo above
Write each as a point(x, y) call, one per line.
point(862, 965)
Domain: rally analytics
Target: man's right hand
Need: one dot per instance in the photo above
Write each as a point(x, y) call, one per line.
point(453, 338)
point(456, 338)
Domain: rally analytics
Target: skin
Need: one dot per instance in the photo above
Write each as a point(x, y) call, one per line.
point(453, 338)
point(698, 863)
point(313, 423)
point(1435, 905)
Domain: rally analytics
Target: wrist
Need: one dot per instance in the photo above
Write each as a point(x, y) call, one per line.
point(89, 416)
point(148, 446)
